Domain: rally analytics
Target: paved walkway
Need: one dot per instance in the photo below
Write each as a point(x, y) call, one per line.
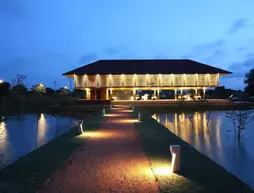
point(112, 160)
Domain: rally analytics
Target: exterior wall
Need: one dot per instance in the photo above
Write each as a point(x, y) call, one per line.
point(146, 80)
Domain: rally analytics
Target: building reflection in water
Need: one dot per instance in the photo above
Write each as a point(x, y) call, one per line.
point(195, 129)
point(42, 127)
point(3, 144)
point(3, 136)
point(21, 135)
point(213, 135)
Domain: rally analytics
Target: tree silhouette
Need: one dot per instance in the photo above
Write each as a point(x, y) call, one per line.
point(249, 81)
point(4, 89)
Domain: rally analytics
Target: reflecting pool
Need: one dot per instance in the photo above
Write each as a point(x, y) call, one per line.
point(21, 135)
point(212, 134)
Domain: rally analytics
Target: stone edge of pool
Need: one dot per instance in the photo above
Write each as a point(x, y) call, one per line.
point(199, 173)
point(31, 171)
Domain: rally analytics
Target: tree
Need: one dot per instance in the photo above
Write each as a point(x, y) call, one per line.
point(78, 93)
point(4, 88)
point(19, 80)
point(19, 88)
point(18, 84)
point(240, 119)
point(50, 91)
point(39, 88)
point(249, 82)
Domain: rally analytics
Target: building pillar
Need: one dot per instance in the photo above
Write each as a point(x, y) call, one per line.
point(103, 93)
point(110, 93)
point(175, 94)
point(88, 94)
point(107, 98)
point(204, 89)
point(181, 93)
point(158, 93)
point(134, 94)
point(94, 94)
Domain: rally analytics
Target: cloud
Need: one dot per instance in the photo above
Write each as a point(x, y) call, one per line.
point(242, 49)
point(210, 45)
point(238, 24)
point(89, 57)
point(233, 82)
point(203, 50)
point(246, 64)
point(239, 70)
point(218, 54)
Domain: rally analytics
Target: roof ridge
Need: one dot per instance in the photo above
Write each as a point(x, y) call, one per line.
point(146, 66)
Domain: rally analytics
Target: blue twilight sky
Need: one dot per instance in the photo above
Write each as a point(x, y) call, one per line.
point(45, 38)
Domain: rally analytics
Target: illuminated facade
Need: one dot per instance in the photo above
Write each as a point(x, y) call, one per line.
point(104, 77)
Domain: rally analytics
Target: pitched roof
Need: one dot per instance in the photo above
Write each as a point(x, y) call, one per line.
point(146, 67)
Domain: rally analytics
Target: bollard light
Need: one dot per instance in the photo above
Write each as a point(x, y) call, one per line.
point(80, 127)
point(103, 111)
point(176, 156)
point(139, 116)
point(133, 108)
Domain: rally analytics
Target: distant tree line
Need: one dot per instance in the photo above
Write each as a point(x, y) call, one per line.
point(18, 86)
point(17, 97)
point(222, 92)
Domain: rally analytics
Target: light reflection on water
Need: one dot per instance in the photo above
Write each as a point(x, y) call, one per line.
point(21, 135)
point(213, 135)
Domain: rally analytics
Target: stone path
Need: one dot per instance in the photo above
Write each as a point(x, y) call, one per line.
point(112, 160)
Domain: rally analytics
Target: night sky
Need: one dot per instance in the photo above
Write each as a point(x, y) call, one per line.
point(45, 38)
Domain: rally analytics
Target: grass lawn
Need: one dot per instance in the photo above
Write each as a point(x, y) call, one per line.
point(196, 107)
point(198, 172)
point(31, 171)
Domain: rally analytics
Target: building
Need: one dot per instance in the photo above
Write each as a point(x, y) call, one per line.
point(123, 78)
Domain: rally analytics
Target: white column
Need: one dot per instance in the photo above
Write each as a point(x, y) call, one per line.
point(204, 90)
point(88, 94)
point(110, 93)
point(134, 94)
point(158, 93)
point(175, 94)
point(176, 158)
point(75, 80)
point(107, 97)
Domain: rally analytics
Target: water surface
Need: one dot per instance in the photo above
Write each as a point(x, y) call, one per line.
point(213, 135)
point(21, 135)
